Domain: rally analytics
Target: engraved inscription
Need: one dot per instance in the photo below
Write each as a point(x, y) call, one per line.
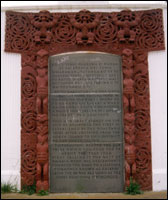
point(106, 160)
point(79, 118)
point(84, 73)
point(87, 162)
point(85, 120)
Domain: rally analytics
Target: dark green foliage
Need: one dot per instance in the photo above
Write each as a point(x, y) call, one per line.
point(133, 188)
point(8, 188)
point(42, 192)
point(28, 189)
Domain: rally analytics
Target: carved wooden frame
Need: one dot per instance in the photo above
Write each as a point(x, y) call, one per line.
point(131, 34)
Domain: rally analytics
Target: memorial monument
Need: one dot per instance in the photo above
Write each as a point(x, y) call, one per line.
point(85, 110)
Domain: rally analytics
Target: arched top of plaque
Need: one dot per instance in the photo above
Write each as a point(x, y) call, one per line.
point(85, 72)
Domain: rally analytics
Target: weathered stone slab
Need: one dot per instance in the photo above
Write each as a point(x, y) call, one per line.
point(88, 72)
point(85, 120)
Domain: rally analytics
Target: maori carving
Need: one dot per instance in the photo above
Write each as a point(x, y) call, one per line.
point(42, 82)
point(106, 32)
point(64, 32)
point(129, 34)
point(43, 23)
point(126, 20)
point(28, 121)
point(84, 21)
point(28, 158)
point(42, 153)
point(139, 30)
point(129, 116)
point(42, 120)
point(142, 121)
point(19, 29)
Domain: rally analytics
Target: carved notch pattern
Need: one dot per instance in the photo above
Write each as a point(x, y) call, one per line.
point(130, 34)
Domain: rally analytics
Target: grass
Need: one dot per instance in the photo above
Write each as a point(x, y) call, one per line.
point(42, 193)
point(8, 188)
point(28, 189)
point(133, 188)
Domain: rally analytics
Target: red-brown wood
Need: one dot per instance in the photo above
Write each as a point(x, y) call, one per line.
point(131, 34)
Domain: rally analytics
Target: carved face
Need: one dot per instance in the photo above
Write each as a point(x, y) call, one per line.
point(41, 72)
point(44, 16)
point(84, 16)
point(129, 139)
point(126, 15)
point(130, 117)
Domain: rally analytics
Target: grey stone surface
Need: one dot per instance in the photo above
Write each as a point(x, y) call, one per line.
point(85, 123)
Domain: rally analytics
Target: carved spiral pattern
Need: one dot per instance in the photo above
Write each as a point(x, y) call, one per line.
point(141, 84)
point(29, 121)
point(29, 161)
point(142, 120)
point(106, 32)
point(20, 42)
point(28, 82)
point(149, 23)
point(65, 32)
point(28, 158)
point(143, 158)
point(147, 41)
point(20, 32)
point(21, 25)
point(29, 86)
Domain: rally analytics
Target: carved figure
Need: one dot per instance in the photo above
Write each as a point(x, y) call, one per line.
point(128, 83)
point(130, 156)
point(84, 21)
point(42, 120)
point(43, 22)
point(129, 94)
point(130, 149)
point(42, 91)
point(126, 20)
point(42, 152)
point(42, 161)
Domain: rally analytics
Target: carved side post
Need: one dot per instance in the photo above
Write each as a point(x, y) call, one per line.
point(142, 121)
point(28, 120)
point(129, 116)
point(42, 120)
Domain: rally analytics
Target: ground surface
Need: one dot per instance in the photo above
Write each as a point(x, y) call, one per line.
point(146, 195)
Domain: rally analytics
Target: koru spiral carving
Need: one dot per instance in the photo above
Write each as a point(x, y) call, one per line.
point(131, 34)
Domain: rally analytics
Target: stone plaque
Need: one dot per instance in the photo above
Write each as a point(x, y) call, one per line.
point(85, 123)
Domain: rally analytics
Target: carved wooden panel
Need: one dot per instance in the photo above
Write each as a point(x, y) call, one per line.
point(131, 34)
